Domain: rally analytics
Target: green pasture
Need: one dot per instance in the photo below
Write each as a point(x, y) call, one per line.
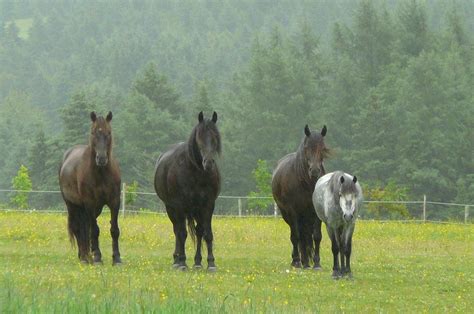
point(398, 267)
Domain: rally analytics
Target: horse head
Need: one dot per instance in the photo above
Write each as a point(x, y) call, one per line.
point(347, 196)
point(315, 151)
point(208, 140)
point(101, 138)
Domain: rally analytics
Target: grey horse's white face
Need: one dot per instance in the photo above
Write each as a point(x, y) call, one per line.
point(348, 205)
point(348, 198)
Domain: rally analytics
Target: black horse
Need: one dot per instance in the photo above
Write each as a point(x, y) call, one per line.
point(293, 184)
point(187, 180)
point(89, 178)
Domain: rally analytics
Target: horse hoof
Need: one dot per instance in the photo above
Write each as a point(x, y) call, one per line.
point(296, 264)
point(84, 262)
point(117, 262)
point(317, 268)
point(336, 275)
point(307, 267)
point(212, 269)
point(98, 263)
point(197, 266)
point(175, 265)
point(183, 267)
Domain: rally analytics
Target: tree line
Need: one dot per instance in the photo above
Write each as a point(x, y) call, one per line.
point(391, 80)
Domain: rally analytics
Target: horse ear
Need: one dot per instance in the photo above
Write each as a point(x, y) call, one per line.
point(306, 130)
point(109, 116)
point(93, 116)
point(324, 131)
point(214, 117)
point(355, 179)
point(200, 117)
point(342, 179)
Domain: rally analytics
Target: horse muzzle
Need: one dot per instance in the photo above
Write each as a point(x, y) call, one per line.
point(208, 164)
point(101, 161)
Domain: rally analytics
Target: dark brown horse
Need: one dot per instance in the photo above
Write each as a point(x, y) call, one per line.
point(187, 180)
point(293, 184)
point(89, 178)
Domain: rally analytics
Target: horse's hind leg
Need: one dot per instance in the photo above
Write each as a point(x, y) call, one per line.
point(317, 236)
point(95, 231)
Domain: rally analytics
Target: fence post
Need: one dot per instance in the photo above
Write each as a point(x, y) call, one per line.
point(275, 212)
point(424, 208)
point(240, 206)
point(466, 213)
point(123, 199)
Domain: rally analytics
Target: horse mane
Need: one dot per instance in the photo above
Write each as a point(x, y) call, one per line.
point(193, 153)
point(301, 166)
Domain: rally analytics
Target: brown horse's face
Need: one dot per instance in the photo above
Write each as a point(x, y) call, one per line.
point(315, 152)
point(101, 138)
point(208, 141)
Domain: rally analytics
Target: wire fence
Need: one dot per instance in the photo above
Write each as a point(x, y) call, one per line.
point(241, 206)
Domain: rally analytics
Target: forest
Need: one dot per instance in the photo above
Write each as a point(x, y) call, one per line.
point(392, 81)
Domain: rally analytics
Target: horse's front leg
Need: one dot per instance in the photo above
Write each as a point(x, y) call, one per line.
point(95, 231)
point(209, 237)
point(347, 236)
point(115, 232)
point(317, 236)
point(336, 271)
point(198, 256)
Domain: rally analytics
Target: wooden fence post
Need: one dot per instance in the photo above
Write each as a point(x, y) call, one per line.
point(424, 208)
point(466, 213)
point(123, 199)
point(240, 206)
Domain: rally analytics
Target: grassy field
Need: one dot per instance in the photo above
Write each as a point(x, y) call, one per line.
point(397, 267)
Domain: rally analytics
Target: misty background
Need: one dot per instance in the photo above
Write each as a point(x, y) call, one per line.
point(392, 80)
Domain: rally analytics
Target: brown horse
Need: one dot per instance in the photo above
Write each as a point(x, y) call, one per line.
point(89, 178)
point(293, 184)
point(187, 180)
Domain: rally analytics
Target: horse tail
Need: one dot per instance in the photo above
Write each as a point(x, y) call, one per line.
point(192, 227)
point(79, 227)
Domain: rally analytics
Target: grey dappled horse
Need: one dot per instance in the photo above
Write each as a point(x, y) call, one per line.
point(337, 197)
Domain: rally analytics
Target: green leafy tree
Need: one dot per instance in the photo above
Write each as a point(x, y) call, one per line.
point(263, 179)
point(21, 182)
point(76, 122)
point(390, 192)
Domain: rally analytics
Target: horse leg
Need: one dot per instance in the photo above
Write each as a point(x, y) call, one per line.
point(95, 231)
point(294, 237)
point(180, 232)
point(115, 233)
point(347, 235)
point(306, 241)
point(198, 256)
point(317, 236)
point(335, 252)
point(209, 237)
point(342, 248)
